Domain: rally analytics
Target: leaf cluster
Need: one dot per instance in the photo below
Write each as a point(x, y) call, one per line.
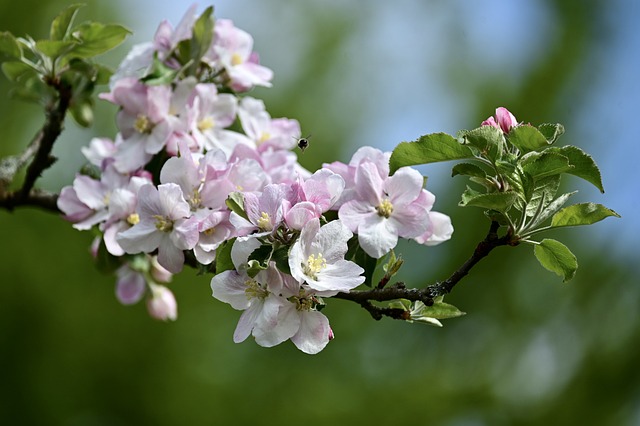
point(44, 69)
point(515, 178)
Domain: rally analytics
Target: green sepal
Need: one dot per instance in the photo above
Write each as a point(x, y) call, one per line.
point(583, 165)
point(500, 201)
point(488, 141)
point(581, 214)
point(223, 256)
point(431, 148)
point(551, 131)
point(235, 202)
point(95, 38)
point(62, 23)
point(259, 260)
point(9, 46)
point(556, 257)
point(82, 112)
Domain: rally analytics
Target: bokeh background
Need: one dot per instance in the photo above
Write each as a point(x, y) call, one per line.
point(530, 351)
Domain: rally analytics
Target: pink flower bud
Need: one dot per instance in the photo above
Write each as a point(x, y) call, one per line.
point(162, 304)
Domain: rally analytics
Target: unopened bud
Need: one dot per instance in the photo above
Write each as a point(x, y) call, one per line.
point(162, 303)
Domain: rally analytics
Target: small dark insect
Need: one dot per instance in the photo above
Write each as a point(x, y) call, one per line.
point(303, 143)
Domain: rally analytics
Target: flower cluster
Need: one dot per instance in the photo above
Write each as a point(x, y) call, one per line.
point(200, 173)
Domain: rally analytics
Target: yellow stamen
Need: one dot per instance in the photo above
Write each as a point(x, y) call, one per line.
point(209, 231)
point(206, 124)
point(143, 124)
point(254, 289)
point(163, 224)
point(314, 265)
point(264, 136)
point(385, 208)
point(264, 222)
point(236, 59)
point(133, 218)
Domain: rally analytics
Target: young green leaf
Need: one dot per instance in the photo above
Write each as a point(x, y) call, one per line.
point(62, 23)
point(556, 257)
point(551, 131)
point(551, 209)
point(546, 164)
point(235, 202)
point(55, 48)
point(15, 70)
point(223, 256)
point(527, 138)
point(9, 46)
point(468, 169)
point(95, 38)
point(500, 201)
point(581, 214)
point(487, 140)
point(583, 165)
point(428, 149)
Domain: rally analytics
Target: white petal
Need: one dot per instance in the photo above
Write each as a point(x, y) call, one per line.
point(377, 237)
point(229, 287)
point(313, 334)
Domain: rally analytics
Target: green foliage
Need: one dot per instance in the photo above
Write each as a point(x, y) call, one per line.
point(556, 257)
point(517, 176)
point(45, 70)
point(421, 313)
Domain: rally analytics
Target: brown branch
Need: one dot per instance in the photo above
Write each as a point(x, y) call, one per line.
point(52, 128)
point(36, 198)
point(426, 295)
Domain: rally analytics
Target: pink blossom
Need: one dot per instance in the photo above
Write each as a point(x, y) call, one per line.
point(165, 224)
point(317, 258)
point(281, 133)
point(233, 49)
point(130, 286)
point(503, 120)
point(385, 209)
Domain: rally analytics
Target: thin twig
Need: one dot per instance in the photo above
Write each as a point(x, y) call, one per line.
point(426, 295)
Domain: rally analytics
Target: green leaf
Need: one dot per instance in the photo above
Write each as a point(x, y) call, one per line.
point(15, 70)
point(223, 257)
point(439, 310)
point(9, 46)
point(543, 192)
point(160, 74)
point(235, 202)
point(551, 132)
point(551, 209)
point(546, 164)
point(62, 23)
point(281, 258)
point(468, 169)
point(581, 214)
point(487, 140)
point(556, 257)
point(583, 165)
point(55, 48)
point(500, 201)
point(192, 50)
point(95, 38)
point(428, 149)
point(527, 138)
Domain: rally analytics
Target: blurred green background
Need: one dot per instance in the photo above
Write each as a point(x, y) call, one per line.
point(530, 351)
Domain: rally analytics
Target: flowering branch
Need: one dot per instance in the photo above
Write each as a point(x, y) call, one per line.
point(428, 294)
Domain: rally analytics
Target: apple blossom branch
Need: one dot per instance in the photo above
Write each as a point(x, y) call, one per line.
point(428, 294)
point(40, 150)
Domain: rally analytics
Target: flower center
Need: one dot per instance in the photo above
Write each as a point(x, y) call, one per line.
point(314, 265)
point(206, 124)
point(210, 231)
point(255, 290)
point(264, 136)
point(236, 59)
point(133, 219)
point(163, 224)
point(265, 222)
point(143, 124)
point(385, 208)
